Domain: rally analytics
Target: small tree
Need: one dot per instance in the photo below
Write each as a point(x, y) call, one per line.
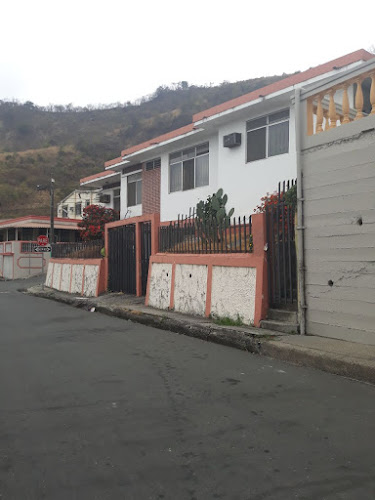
point(93, 221)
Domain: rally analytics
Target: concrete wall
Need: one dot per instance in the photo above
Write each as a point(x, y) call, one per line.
point(15, 264)
point(206, 285)
point(179, 202)
point(78, 276)
point(245, 183)
point(339, 192)
point(219, 285)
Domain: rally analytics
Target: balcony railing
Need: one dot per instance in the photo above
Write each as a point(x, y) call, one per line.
point(343, 103)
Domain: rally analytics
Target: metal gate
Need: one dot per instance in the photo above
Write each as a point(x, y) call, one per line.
point(121, 259)
point(145, 253)
point(282, 261)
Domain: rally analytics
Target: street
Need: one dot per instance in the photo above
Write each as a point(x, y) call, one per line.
point(99, 408)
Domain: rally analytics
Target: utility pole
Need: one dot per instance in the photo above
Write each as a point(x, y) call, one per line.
point(41, 187)
point(52, 229)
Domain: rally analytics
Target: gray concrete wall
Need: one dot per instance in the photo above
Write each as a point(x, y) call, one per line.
point(339, 191)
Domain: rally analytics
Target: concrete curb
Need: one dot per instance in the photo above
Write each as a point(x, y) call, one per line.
point(270, 345)
point(327, 362)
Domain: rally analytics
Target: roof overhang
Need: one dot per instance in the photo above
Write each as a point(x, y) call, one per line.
point(39, 222)
point(154, 149)
point(100, 181)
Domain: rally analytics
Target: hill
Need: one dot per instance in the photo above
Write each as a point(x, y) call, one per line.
point(75, 142)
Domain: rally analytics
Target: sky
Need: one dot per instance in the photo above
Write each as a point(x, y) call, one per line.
point(90, 52)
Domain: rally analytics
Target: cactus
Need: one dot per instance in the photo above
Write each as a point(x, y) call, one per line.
point(213, 216)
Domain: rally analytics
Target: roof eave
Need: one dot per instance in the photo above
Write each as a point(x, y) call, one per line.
point(159, 145)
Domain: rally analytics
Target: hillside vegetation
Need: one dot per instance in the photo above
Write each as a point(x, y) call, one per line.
point(75, 142)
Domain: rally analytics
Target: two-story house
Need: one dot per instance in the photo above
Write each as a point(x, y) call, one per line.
point(245, 146)
point(104, 192)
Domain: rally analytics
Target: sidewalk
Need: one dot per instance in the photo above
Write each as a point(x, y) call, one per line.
point(349, 359)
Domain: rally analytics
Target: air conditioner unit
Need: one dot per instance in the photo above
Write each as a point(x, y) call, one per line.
point(232, 140)
point(105, 198)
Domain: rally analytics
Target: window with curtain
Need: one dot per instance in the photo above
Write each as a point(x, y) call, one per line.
point(189, 168)
point(268, 136)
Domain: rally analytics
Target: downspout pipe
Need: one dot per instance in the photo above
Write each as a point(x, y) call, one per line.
point(300, 216)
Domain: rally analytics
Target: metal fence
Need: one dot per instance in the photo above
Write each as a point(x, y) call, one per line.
point(192, 235)
point(282, 262)
point(28, 246)
point(78, 250)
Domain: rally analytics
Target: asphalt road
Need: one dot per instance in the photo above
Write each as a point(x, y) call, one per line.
point(98, 408)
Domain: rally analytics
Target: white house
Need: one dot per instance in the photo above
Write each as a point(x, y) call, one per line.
point(101, 190)
point(245, 146)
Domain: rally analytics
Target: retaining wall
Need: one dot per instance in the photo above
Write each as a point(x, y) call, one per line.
point(220, 285)
point(85, 277)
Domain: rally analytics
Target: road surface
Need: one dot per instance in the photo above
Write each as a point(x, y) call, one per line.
point(99, 408)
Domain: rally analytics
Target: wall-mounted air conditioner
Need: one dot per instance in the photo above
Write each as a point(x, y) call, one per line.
point(232, 140)
point(105, 198)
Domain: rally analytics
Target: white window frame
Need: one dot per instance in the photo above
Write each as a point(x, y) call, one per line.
point(180, 160)
point(267, 126)
point(136, 191)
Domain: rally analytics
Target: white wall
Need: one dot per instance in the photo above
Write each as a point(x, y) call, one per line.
point(125, 211)
point(179, 202)
point(246, 183)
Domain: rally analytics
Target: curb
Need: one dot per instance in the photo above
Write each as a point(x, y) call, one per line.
point(264, 345)
point(211, 333)
point(320, 360)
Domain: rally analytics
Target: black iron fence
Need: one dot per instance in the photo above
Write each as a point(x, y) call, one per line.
point(192, 235)
point(78, 250)
point(282, 262)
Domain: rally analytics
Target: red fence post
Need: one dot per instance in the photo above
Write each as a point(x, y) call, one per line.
point(259, 231)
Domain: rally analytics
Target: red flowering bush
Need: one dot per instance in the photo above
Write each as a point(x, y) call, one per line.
point(267, 201)
point(93, 221)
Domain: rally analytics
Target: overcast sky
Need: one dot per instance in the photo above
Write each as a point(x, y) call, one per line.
point(90, 52)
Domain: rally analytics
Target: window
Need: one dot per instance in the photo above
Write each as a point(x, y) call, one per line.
point(134, 189)
point(64, 211)
point(268, 136)
point(78, 208)
point(189, 169)
point(116, 200)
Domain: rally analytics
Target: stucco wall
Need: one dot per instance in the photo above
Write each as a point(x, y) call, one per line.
point(222, 286)
point(339, 192)
point(160, 286)
point(15, 264)
point(233, 293)
point(190, 289)
point(83, 277)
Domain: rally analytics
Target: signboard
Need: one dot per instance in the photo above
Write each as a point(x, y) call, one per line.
point(42, 241)
point(40, 249)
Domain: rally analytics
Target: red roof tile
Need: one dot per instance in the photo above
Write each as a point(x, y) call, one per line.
point(97, 176)
point(112, 162)
point(359, 55)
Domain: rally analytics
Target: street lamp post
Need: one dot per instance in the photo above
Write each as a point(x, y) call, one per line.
point(41, 187)
point(52, 230)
